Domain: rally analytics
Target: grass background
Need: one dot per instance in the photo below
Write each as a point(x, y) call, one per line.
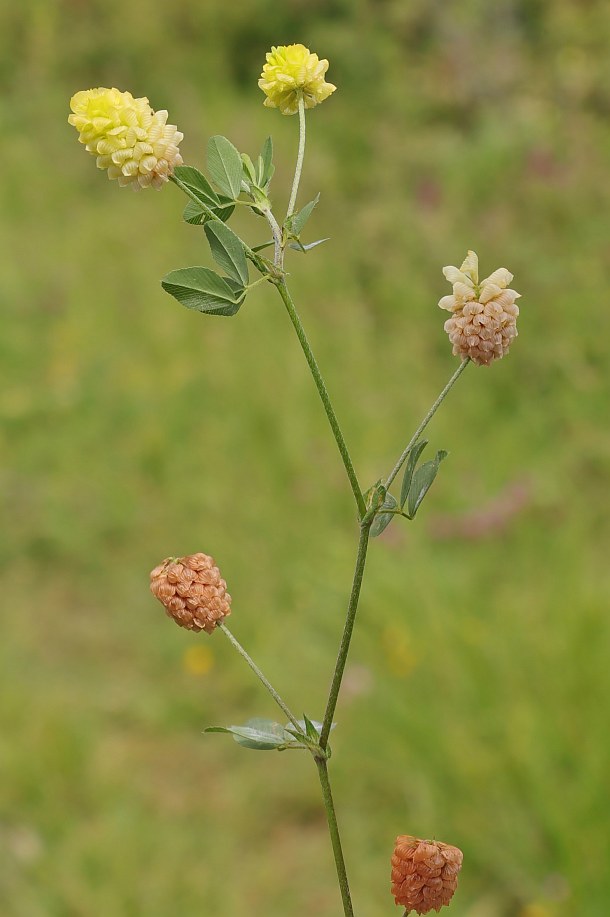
point(475, 701)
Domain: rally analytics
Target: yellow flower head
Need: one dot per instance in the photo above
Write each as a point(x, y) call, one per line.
point(133, 142)
point(293, 71)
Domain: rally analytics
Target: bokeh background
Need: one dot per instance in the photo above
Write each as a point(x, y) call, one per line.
point(475, 702)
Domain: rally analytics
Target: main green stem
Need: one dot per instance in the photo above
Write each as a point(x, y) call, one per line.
point(426, 421)
point(333, 828)
point(276, 697)
point(348, 628)
point(322, 391)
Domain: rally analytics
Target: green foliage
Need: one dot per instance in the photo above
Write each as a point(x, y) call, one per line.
point(422, 481)
point(228, 251)
point(225, 166)
point(260, 734)
point(296, 223)
point(414, 454)
point(196, 182)
point(382, 520)
point(204, 290)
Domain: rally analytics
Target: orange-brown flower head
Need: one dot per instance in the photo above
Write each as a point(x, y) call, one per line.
point(484, 320)
point(192, 590)
point(424, 873)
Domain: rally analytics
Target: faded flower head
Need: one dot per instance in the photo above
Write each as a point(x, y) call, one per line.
point(424, 873)
point(484, 320)
point(292, 71)
point(133, 142)
point(192, 590)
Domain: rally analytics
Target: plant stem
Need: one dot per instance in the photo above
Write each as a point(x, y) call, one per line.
point(330, 413)
point(348, 628)
point(278, 254)
point(252, 256)
point(300, 157)
point(276, 697)
point(456, 375)
point(334, 836)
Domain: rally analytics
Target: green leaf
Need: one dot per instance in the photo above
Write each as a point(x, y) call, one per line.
point(204, 290)
point(267, 167)
point(227, 251)
point(297, 222)
point(198, 184)
point(422, 481)
point(249, 169)
point(262, 246)
point(305, 248)
point(196, 216)
point(414, 454)
point(258, 733)
point(225, 166)
point(382, 520)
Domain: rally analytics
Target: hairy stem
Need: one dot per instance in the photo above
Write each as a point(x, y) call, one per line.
point(348, 628)
point(334, 836)
point(456, 375)
point(278, 253)
point(300, 157)
point(276, 697)
point(322, 391)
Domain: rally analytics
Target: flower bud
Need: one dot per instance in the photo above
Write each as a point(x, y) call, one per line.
point(192, 591)
point(134, 143)
point(293, 71)
point(484, 320)
point(424, 873)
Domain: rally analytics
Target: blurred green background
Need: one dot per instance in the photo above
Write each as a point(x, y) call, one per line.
point(475, 702)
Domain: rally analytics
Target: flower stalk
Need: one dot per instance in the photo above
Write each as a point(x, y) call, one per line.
point(403, 457)
point(274, 694)
point(300, 158)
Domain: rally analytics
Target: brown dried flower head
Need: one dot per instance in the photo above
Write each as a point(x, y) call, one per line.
point(424, 873)
point(192, 590)
point(484, 320)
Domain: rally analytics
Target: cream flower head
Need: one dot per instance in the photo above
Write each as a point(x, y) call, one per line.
point(133, 142)
point(293, 71)
point(484, 320)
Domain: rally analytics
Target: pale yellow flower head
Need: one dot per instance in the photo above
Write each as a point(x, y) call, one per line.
point(133, 142)
point(484, 314)
point(293, 71)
